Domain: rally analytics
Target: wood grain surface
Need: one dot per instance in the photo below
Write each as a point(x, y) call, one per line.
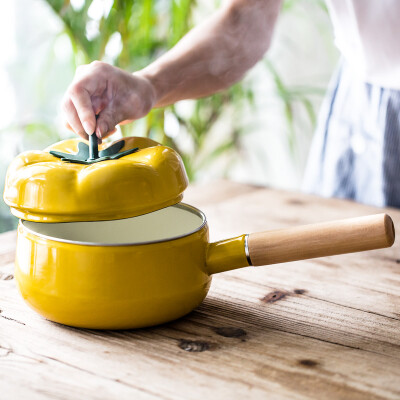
point(325, 328)
point(323, 239)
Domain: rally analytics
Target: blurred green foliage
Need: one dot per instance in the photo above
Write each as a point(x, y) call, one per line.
point(294, 95)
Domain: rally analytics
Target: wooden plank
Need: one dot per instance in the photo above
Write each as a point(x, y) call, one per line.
point(256, 362)
point(318, 329)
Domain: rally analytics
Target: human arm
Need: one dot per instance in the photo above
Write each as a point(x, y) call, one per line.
point(210, 58)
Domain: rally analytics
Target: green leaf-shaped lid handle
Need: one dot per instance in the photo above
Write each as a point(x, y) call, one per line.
point(90, 154)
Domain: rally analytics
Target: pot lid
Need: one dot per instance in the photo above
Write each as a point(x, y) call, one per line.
point(71, 181)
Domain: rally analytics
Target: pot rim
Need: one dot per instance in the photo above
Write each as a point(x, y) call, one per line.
point(184, 206)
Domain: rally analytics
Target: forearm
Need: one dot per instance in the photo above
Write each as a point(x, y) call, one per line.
point(215, 54)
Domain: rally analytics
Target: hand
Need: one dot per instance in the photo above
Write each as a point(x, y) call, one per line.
point(112, 94)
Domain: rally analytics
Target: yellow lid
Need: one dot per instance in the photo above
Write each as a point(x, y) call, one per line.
point(42, 187)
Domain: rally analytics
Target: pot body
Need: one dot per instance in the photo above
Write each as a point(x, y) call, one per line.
point(112, 287)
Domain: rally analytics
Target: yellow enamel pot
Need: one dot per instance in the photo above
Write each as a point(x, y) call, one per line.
point(154, 268)
point(118, 274)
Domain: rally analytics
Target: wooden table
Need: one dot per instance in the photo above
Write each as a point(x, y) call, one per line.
point(320, 329)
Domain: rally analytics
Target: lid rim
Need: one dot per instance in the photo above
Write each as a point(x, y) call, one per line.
point(61, 218)
point(184, 206)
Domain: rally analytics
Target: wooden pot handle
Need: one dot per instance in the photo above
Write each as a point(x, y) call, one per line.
point(323, 239)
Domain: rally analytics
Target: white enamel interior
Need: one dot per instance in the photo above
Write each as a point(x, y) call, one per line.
point(168, 223)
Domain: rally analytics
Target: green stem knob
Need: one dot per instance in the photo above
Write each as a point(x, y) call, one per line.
point(93, 147)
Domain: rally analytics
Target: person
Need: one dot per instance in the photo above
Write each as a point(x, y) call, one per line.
point(355, 152)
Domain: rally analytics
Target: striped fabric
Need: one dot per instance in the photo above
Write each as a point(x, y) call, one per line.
point(356, 149)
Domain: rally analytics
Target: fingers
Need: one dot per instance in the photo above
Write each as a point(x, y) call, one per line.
point(73, 119)
point(77, 105)
point(106, 122)
point(127, 121)
point(82, 102)
point(100, 133)
point(103, 90)
point(68, 126)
